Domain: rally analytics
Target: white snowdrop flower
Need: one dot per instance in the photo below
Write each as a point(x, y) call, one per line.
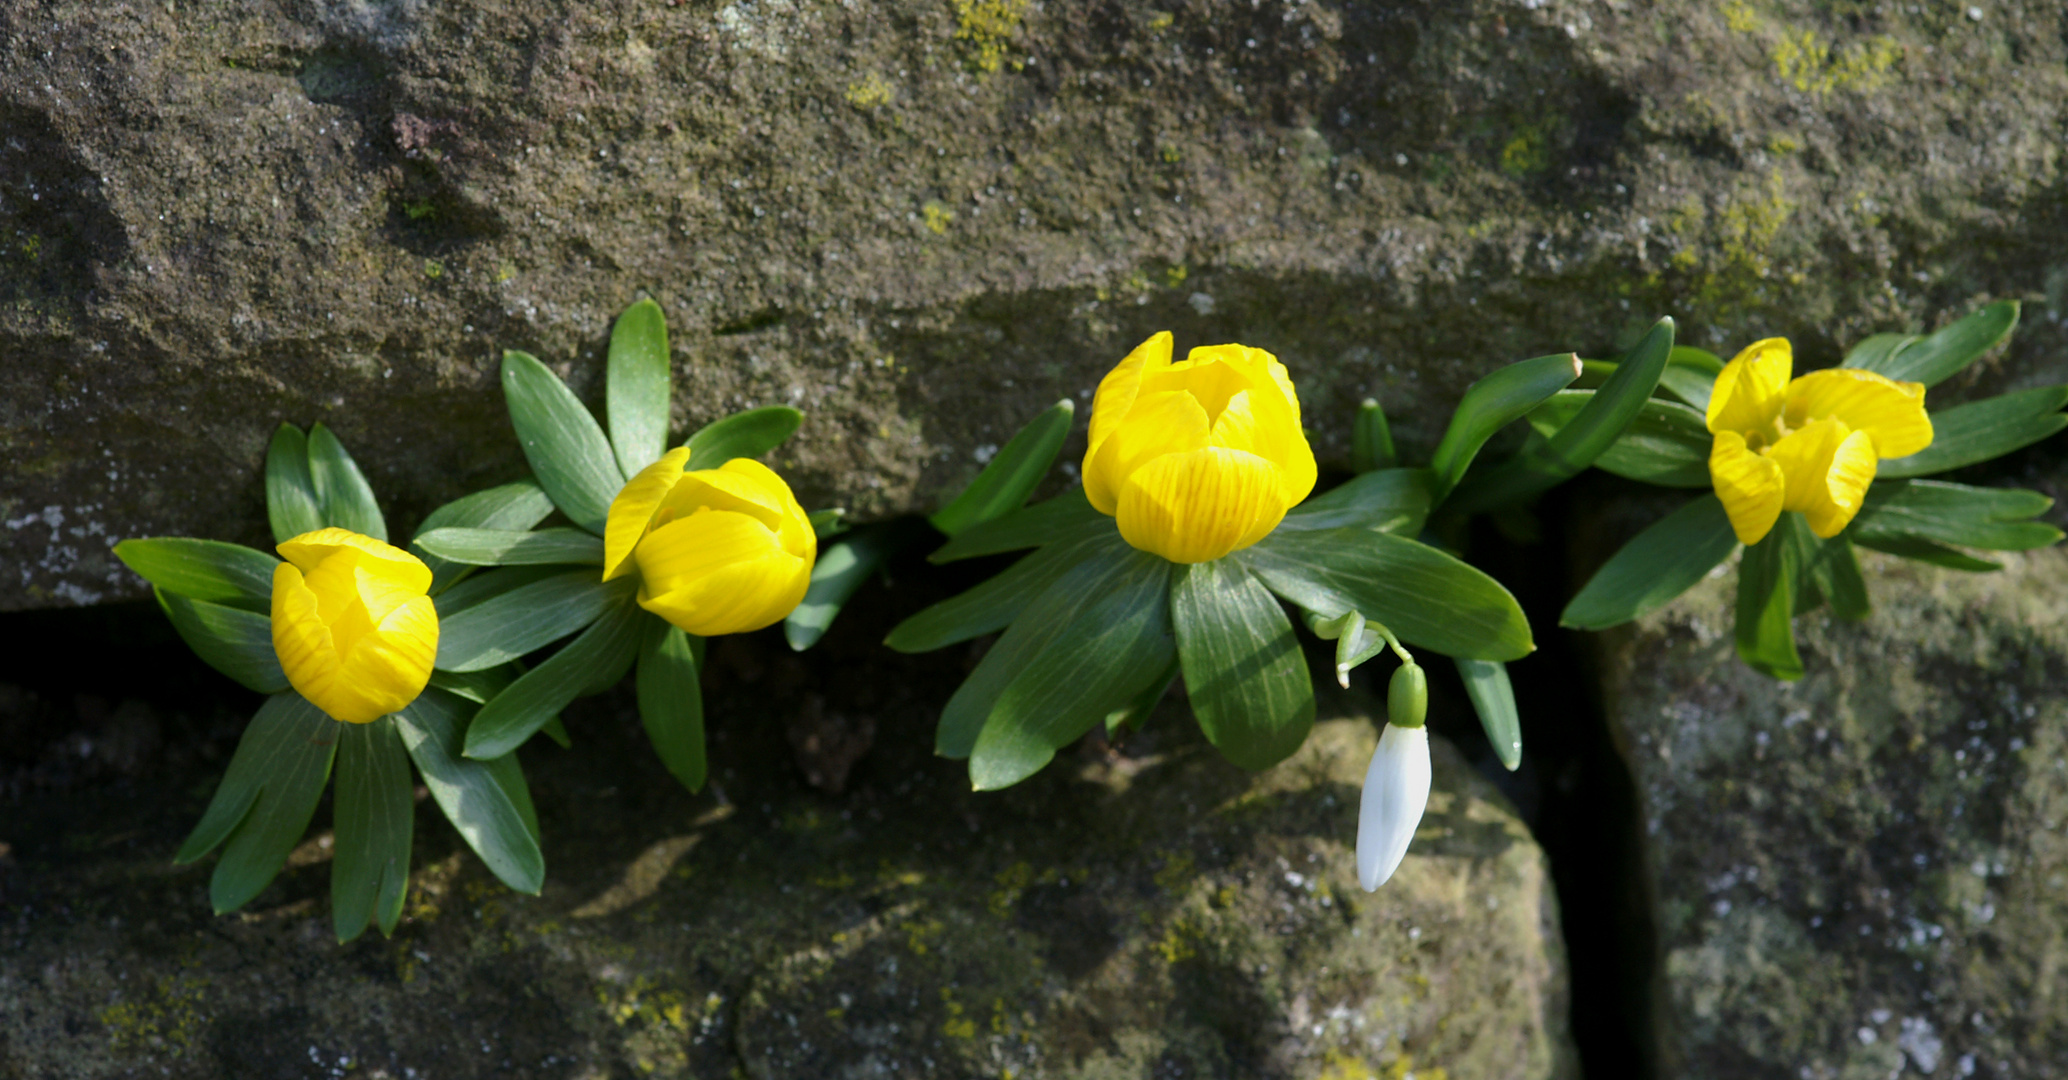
point(1396, 791)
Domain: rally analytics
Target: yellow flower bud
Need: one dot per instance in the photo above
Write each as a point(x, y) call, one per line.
point(718, 551)
point(352, 625)
point(1199, 458)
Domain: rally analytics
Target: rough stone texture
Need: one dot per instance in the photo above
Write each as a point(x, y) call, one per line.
point(1862, 874)
point(1155, 913)
point(923, 220)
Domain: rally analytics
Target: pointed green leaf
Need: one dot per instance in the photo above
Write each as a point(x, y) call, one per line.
point(671, 701)
point(528, 617)
point(748, 434)
point(1131, 716)
point(1926, 551)
point(1656, 566)
point(489, 584)
point(1934, 358)
point(1011, 475)
point(517, 506)
point(292, 507)
point(606, 647)
point(1691, 374)
point(1836, 574)
point(1424, 596)
point(342, 493)
point(1591, 431)
point(1493, 698)
point(1766, 604)
point(374, 818)
point(235, 642)
point(1100, 652)
point(1356, 640)
point(503, 547)
point(1371, 440)
point(828, 523)
point(842, 567)
point(477, 686)
point(1390, 500)
point(1997, 519)
point(1666, 443)
point(1981, 430)
point(1490, 405)
point(473, 794)
point(210, 570)
point(565, 446)
point(1876, 350)
point(1244, 673)
point(999, 601)
point(266, 799)
point(1066, 516)
point(635, 395)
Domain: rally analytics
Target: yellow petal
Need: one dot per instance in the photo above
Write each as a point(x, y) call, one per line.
point(1117, 391)
point(1202, 504)
point(388, 668)
point(742, 486)
point(1162, 423)
point(1751, 388)
point(1750, 486)
point(337, 583)
point(393, 563)
point(1828, 469)
point(300, 639)
point(719, 572)
point(633, 509)
point(1890, 412)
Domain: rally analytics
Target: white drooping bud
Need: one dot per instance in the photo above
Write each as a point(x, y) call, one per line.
point(1396, 791)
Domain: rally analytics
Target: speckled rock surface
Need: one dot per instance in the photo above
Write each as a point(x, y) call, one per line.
point(1155, 913)
point(1862, 874)
point(923, 220)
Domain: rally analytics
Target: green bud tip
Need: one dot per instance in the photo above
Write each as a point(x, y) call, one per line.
point(1407, 698)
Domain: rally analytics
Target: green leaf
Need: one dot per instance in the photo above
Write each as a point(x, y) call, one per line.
point(1766, 604)
point(827, 523)
point(374, 817)
point(635, 387)
point(1424, 596)
point(567, 451)
point(528, 617)
point(517, 506)
point(235, 642)
point(292, 507)
point(1666, 443)
point(1064, 517)
point(266, 799)
point(1926, 551)
point(1390, 500)
point(1371, 440)
point(1490, 405)
point(1876, 350)
point(842, 567)
point(1011, 474)
point(1493, 698)
point(1980, 430)
point(1244, 673)
point(477, 686)
point(1993, 518)
point(503, 547)
point(1656, 566)
point(496, 822)
point(1355, 640)
point(489, 584)
point(538, 695)
point(748, 434)
point(1131, 716)
point(1103, 637)
point(1836, 573)
point(1691, 374)
point(997, 602)
point(671, 701)
point(1591, 431)
point(208, 570)
point(342, 492)
point(1932, 359)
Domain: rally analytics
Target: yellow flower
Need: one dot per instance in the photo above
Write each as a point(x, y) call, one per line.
point(351, 624)
point(718, 551)
point(1808, 444)
point(1199, 458)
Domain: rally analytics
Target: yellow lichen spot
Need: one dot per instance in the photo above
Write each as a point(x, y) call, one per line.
point(1180, 941)
point(1175, 276)
point(937, 217)
point(1528, 152)
point(835, 1013)
point(1161, 20)
point(1804, 60)
point(985, 27)
point(1340, 1066)
point(868, 92)
point(505, 272)
point(1176, 872)
point(956, 1026)
point(919, 934)
point(1012, 881)
point(1740, 17)
point(433, 268)
point(1170, 155)
point(1781, 145)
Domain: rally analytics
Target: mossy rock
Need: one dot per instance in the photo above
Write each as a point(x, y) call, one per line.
point(923, 221)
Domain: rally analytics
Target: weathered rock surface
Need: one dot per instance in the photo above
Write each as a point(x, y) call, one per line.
point(1862, 874)
point(923, 220)
point(1151, 914)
